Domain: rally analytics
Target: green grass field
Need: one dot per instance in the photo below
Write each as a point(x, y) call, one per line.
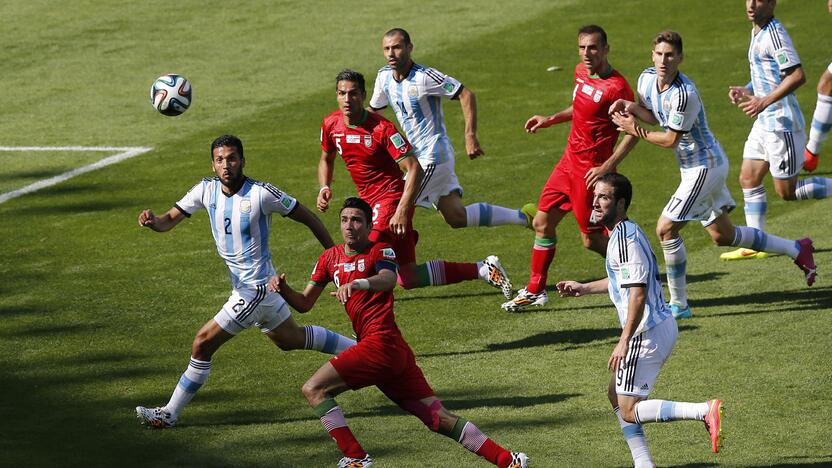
point(98, 314)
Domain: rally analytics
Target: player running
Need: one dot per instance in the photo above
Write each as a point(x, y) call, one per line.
point(415, 93)
point(775, 142)
point(821, 119)
point(375, 155)
point(589, 154)
point(364, 273)
point(648, 333)
point(670, 99)
point(239, 209)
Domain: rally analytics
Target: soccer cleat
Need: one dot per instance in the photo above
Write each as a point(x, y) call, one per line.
point(530, 210)
point(519, 460)
point(497, 276)
point(713, 423)
point(680, 312)
point(524, 300)
point(742, 254)
point(806, 261)
point(348, 462)
point(810, 160)
point(155, 417)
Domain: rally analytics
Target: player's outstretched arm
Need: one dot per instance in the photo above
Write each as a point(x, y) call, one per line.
point(576, 289)
point(325, 167)
point(384, 280)
point(627, 123)
point(302, 215)
point(300, 301)
point(536, 122)
point(468, 101)
point(753, 105)
point(163, 223)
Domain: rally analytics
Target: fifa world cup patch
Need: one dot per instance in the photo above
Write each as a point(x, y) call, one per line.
point(449, 87)
point(388, 253)
point(782, 59)
point(398, 141)
point(625, 273)
point(286, 201)
point(676, 119)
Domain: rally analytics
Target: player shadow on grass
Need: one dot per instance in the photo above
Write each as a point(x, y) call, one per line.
point(770, 301)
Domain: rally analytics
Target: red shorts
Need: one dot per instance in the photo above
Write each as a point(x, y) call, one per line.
point(566, 190)
point(404, 246)
point(387, 362)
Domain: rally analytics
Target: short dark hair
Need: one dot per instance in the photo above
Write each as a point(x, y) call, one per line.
point(401, 31)
point(351, 75)
point(355, 202)
point(594, 29)
point(671, 37)
point(621, 187)
point(227, 140)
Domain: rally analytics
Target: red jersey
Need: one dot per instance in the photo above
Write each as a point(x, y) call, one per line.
point(371, 151)
point(593, 135)
point(370, 312)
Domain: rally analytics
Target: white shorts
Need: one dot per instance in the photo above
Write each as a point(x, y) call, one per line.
point(440, 180)
point(647, 354)
point(252, 306)
point(702, 195)
point(783, 151)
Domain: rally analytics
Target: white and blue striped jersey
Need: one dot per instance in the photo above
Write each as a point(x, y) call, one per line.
point(631, 262)
point(240, 225)
point(679, 108)
point(770, 53)
point(417, 102)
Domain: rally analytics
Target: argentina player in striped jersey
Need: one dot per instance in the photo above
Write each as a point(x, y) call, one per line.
point(648, 331)
point(778, 134)
point(669, 99)
point(415, 94)
point(239, 209)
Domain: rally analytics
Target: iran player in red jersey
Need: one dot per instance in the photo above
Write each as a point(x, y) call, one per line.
point(364, 272)
point(591, 152)
point(375, 155)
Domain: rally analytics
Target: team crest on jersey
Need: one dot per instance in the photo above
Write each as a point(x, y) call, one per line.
point(388, 253)
point(349, 267)
point(353, 138)
point(412, 91)
point(398, 141)
point(245, 206)
point(360, 264)
point(597, 96)
point(368, 140)
point(448, 87)
point(666, 105)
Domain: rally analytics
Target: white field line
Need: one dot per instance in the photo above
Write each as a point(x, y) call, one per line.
point(123, 153)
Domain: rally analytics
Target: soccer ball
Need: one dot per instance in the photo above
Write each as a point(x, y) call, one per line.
point(171, 94)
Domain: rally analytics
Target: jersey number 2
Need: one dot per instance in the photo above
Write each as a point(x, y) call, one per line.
point(228, 226)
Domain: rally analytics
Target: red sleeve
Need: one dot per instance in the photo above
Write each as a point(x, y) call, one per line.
point(396, 144)
point(384, 257)
point(320, 272)
point(626, 92)
point(326, 139)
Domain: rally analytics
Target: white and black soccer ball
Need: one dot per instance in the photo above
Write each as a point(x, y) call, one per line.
point(171, 94)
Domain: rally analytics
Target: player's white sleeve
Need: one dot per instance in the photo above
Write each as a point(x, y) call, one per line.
point(783, 49)
point(193, 200)
point(379, 99)
point(685, 109)
point(642, 90)
point(634, 265)
point(439, 84)
point(274, 200)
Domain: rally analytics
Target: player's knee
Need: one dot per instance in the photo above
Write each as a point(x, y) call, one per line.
point(313, 391)
point(628, 414)
point(541, 226)
point(825, 84)
point(201, 348)
point(431, 415)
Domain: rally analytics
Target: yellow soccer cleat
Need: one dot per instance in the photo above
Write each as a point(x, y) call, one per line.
point(742, 254)
point(529, 209)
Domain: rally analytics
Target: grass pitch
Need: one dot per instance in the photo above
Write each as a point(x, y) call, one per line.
point(98, 315)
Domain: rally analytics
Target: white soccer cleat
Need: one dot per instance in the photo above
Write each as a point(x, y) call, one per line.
point(519, 460)
point(155, 417)
point(348, 462)
point(496, 276)
point(524, 300)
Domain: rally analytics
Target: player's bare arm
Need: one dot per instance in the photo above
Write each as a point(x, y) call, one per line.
point(325, 168)
point(300, 301)
point(302, 215)
point(468, 101)
point(576, 289)
point(536, 122)
point(752, 105)
point(628, 124)
point(384, 280)
point(163, 223)
point(635, 311)
point(622, 149)
point(410, 165)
